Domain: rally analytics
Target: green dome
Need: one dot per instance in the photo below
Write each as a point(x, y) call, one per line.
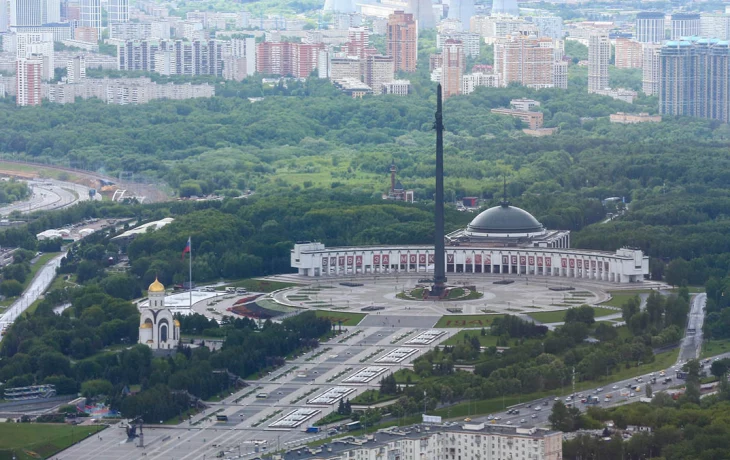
point(504, 219)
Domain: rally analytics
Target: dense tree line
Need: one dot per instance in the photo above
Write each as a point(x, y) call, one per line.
point(67, 350)
point(535, 360)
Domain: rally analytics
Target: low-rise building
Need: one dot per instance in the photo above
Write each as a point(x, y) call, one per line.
point(533, 119)
point(621, 94)
point(630, 118)
point(397, 87)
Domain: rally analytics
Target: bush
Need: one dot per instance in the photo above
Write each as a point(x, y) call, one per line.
point(11, 288)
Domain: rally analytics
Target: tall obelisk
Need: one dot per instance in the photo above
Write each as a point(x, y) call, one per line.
point(439, 270)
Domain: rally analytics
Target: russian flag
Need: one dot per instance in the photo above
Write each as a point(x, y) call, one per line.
point(187, 249)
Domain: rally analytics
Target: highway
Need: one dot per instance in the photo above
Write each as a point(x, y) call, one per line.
point(48, 194)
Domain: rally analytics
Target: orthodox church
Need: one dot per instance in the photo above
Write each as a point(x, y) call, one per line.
point(157, 327)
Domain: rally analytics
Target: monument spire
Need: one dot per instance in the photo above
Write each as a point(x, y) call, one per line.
point(439, 267)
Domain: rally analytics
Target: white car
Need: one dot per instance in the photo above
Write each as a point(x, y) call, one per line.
point(522, 420)
point(556, 399)
point(569, 398)
point(615, 387)
point(509, 422)
point(534, 415)
point(631, 395)
point(599, 390)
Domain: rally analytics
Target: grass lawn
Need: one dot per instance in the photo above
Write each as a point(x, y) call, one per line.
point(714, 347)
point(42, 439)
point(347, 318)
point(484, 340)
point(255, 285)
point(401, 376)
point(331, 418)
point(559, 315)
point(372, 397)
point(619, 298)
point(466, 320)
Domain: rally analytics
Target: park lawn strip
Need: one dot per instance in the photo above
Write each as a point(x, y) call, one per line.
point(558, 316)
point(42, 439)
point(484, 340)
point(447, 321)
point(347, 318)
point(619, 298)
point(714, 347)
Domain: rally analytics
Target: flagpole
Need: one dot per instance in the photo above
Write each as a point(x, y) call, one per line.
point(190, 272)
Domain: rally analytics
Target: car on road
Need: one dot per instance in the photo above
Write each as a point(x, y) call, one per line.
point(534, 415)
point(544, 403)
point(522, 420)
point(509, 422)
point(467, 419)
point(498, 418)
point(538, 408)
point(490, 417)
point(599, 390)
point(606, 399)
point(568, 398)
point(631, 395)
point(615, 387)
point(556, 399)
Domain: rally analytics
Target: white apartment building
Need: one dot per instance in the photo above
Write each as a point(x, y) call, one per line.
point(123, 91)
point(40, 46)
point(397, 87)
point(651, 68)
point(345, 67)
point(715, 26)
point(59, 32)
point(470, 81)
point(76, 69)
point(118, 11)
point(470, 40)
point(245, 48)
point(32, 12)
point(599, 53)
point(28, 81)
point(467, 442)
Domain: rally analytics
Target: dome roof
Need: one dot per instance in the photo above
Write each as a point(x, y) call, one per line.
point(504, 219)
point(176, 323)
point(146, 326)
point(156, 287)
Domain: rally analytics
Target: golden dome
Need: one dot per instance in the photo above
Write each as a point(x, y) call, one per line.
point(176, 323)
point(146, 326)
point(156, 287)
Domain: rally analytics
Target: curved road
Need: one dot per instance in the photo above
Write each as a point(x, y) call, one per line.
point(49, 194)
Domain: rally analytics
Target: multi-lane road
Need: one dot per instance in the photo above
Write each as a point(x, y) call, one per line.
point(49, 194)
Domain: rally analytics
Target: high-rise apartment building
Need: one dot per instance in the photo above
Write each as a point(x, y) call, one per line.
point(32, 12)
point(526, 60)
point(245, 48)
point(505, 7)
point(90, 11)
point(4, 16)
point(715, 26)
point(599, 53)
point(175, 57)
point(650, 27)
point(285, 58)
point(629, 54)
point(452, 67)
point(548, 26)
point(461, 10)
point(560, 74)
point(378, 72)
point(40, 46)
point(685, 25)
point(695, 79)
point(358, 41)
point(28, 81)
point(402, 39)
point(118, 11)
point(76, 69)
point(650, 69)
